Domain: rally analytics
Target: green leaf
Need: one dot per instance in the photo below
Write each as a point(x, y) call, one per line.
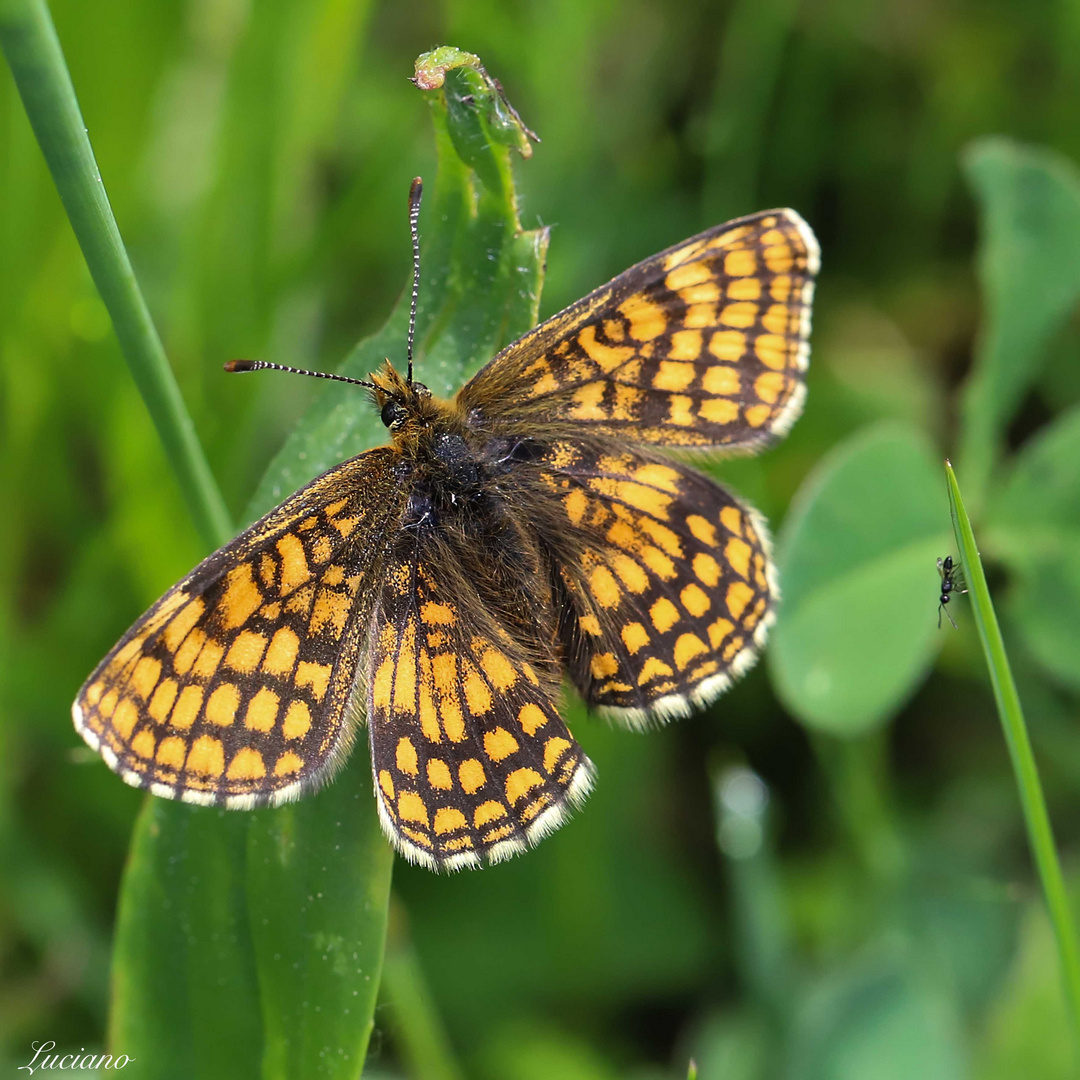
point(1026, 1031)
point(1033, 524)
point(884, 1019)
point(250, 945)
point(1029, 269)
point(858, 623)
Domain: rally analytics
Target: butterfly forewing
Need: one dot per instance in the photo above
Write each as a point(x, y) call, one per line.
point(471, 760)
point(234, 688)
point(703, 345)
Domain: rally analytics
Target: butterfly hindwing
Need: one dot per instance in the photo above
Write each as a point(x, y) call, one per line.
point(233, 689)
point(471, 760)
point(667, 585)
point(703, 345)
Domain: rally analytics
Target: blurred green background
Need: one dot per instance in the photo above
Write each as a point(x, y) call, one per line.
point(776, 890)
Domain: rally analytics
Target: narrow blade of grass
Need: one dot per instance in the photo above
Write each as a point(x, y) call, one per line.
point(33, 52)
point(1036, 818)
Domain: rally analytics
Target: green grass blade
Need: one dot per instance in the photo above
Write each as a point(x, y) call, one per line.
point(33, 52)
point(1036, 818)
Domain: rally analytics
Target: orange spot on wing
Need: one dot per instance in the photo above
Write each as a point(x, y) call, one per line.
point(222, 705)
point(520, 782)
point(673, 376)
point(728, 345)
point(171, 751)
point(125, 718)
point(498, 669)
point(182, 623)
point(262, 710)
point(241, 598)
point(162, 701)
point(294, 567)
point(143, 744)
point(432, 614)
point(740, 264)
point(685, 345)
point(664, 614)
point(288, 764)
point(411, 808)
point(206, 663)
point(695, 601)
point(315, 676)
point(702, 529)
point(686, 648)
point(739, 595)
point(405, 757)
point(488, 811)
point(499, 744)
point(477, 694)
point(554, 749)
point(246, 651)
point(471, 775)
point(731, 519)
point(331, 609)
point(297, 720)
point(186, 708)
point(206, 757)
point(635, 637)
point(448, 819)
point(758, 415)
point(770, 386)
point(439, 775)
point(604, 588)
point(721, 379)
point(738, 552)
point(647, 320)
point(653, 669)
point(248, 764)
point(386, 782)
point(718, 631)
point(606, 357)
point(603, 664)
point(531, 717)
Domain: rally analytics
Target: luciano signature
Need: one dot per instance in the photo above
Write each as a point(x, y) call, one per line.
point(82, 1060)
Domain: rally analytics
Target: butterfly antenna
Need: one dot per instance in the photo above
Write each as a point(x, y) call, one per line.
point(265, 365)
point(415, 191)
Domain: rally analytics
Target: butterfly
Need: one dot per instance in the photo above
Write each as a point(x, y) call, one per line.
point(440, 587)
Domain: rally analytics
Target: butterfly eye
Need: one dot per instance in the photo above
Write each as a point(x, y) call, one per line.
point(393, 413)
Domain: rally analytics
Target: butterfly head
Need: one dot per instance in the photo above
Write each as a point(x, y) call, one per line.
point(404, 406)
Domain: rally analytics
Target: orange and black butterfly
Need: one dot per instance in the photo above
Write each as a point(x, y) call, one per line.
point(441, 586)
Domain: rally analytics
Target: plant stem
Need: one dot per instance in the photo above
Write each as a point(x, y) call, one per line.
point(33, 52)
point(1036, 818)
point(419, 1033)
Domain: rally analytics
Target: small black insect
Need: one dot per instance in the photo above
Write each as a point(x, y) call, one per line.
point(949, 585)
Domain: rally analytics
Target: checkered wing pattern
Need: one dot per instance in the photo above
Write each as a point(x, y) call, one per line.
point(472, 762)
point(233, 689)
point(668, 586)
point(703, 345)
